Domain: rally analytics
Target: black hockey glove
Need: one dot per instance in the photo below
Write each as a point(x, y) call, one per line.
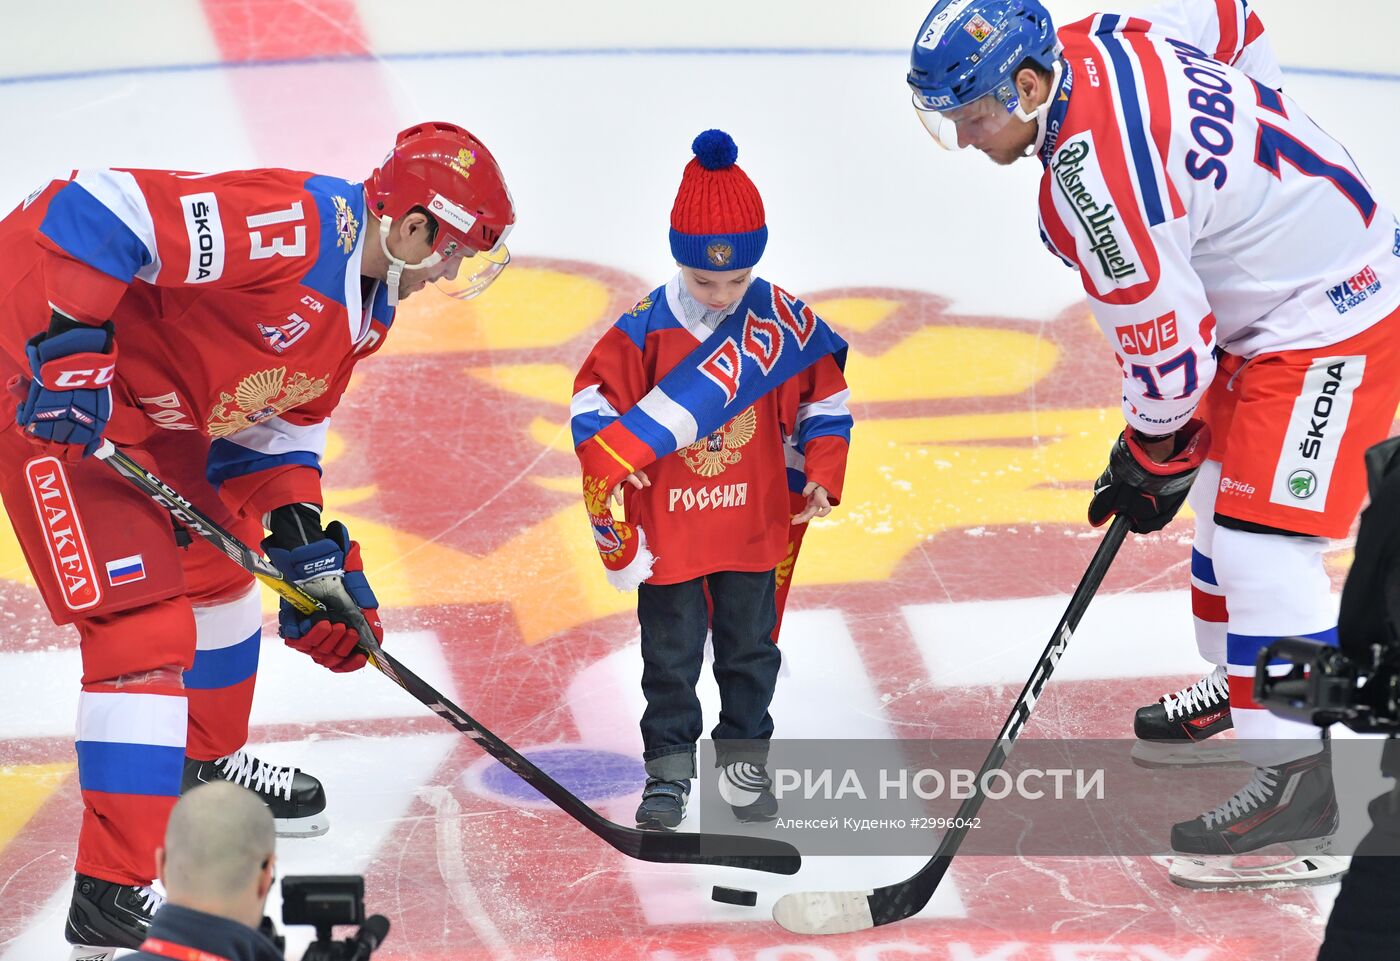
point(1147, 492)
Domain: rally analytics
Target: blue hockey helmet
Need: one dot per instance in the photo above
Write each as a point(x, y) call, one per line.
point(964, 58)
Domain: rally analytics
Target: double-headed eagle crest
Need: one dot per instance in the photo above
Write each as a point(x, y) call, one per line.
point(262, 396)
point(462, 163)
point(720, 450)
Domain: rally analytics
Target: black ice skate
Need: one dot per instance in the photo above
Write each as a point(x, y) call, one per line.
point(296, 798)
point(1289, 803)
point(1191, 714)
point(663, 804)
point(748, 790)
point(104, 916)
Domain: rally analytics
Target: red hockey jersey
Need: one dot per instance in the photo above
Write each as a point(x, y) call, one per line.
point(237, 301)
point(722, 503)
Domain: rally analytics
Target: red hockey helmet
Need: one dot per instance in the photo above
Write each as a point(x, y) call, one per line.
point(448, 172)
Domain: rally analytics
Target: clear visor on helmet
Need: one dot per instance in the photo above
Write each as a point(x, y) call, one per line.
point(954, 128)
point(467, 275)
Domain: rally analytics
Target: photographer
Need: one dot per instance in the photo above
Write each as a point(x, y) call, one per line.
point(1362, 924)
point(1358, 684)
point(217, 867)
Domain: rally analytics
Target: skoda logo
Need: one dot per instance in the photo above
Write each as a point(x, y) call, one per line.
point(1302, 483)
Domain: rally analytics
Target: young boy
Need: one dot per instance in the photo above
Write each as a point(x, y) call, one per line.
point(718, 514)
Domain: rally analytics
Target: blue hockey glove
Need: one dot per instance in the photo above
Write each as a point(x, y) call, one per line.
point(327, 567)
point(69, 399)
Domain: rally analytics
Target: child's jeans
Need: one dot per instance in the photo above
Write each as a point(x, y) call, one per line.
point(674, 621)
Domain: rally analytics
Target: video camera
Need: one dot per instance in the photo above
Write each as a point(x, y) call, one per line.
point(328, 900)
point(1356, 683)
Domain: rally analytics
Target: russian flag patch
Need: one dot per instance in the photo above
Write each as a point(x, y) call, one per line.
point(126, 570)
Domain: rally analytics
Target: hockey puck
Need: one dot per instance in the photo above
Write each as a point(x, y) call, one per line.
point(734, 896)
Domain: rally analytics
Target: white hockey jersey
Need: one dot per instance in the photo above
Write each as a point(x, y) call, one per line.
point(1202, 207)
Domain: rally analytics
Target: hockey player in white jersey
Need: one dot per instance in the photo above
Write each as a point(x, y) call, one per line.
point(1247, 280)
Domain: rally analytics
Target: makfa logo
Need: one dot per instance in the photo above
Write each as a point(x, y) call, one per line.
point(206, 233)
point(64, 536)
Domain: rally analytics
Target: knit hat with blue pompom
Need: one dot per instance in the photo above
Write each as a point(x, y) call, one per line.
point(717, 220)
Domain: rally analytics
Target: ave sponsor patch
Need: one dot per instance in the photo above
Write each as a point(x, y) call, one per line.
point(1148, 337)
point(64, 537)
point(1314, 435)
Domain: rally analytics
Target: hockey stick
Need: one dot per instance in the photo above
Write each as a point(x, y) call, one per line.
point(837, 912)
point(756, 854)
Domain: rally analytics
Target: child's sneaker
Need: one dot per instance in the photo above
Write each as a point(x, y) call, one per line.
point(749, 791)
point(663, 804)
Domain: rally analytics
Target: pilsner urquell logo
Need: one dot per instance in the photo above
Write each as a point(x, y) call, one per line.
point(1097, 220)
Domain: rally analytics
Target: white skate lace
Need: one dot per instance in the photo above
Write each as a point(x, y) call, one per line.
point(1260, 786)
point(151, 900)
point(1209, 691)
point(242, 768)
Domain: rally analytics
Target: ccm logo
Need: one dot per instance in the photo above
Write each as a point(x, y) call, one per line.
point(1148, 337)
point(82, 377)
point(321, 566)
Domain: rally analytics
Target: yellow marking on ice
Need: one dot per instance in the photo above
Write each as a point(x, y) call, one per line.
point(25, 788)
point(555, 436)
point(526, 307)
point(909, 479)
point(936, 363)
point(563, 485)
point(549, 383)
point(856, 313)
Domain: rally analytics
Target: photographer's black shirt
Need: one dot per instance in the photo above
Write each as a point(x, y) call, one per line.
point(188, 935)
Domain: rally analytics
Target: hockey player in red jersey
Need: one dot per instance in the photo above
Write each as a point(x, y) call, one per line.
point(1248, 282)
point(723, 513)
point(209, 323)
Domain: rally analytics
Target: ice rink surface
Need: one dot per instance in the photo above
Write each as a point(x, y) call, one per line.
point(985, 402)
